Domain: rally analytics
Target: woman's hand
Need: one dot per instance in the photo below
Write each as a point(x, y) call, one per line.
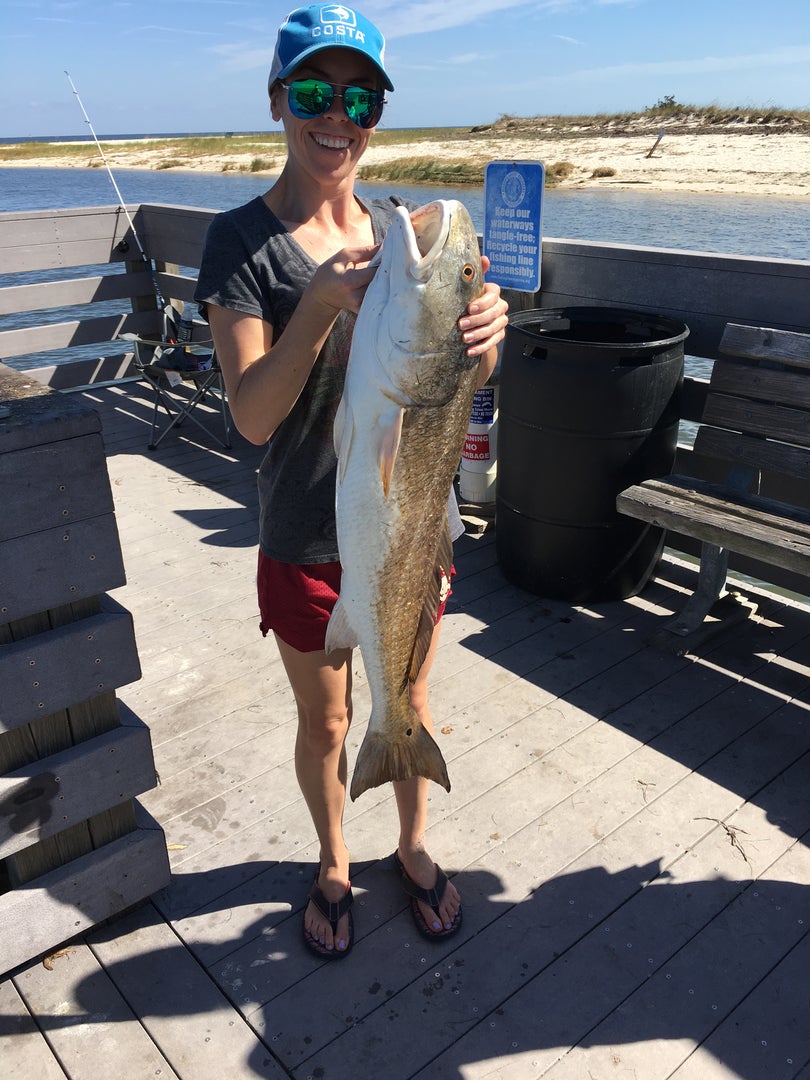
point(484, 325)
point(340, 283)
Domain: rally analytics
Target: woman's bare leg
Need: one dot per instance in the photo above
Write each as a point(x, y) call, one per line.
point(412, 798)
point(322, 686)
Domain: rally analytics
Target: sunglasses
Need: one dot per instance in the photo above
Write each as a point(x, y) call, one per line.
point(313, 97)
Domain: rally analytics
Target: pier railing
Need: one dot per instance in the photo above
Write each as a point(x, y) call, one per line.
point(72, 281)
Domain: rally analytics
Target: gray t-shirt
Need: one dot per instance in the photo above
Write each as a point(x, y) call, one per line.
point(252, 264)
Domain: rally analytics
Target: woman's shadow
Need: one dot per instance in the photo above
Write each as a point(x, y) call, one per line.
point(591, 958)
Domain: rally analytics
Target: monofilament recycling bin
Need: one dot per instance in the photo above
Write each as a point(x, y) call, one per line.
point(589, 405)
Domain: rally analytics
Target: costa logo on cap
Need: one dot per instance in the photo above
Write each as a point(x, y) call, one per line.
point(339, 23)
point(337, 13)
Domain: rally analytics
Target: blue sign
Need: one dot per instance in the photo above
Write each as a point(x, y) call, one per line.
point(513, 213)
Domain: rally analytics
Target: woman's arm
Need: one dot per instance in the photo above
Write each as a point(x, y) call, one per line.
point(264, 380)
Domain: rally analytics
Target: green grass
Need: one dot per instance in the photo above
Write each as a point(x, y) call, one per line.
point(664, 109)
point(178, 151)
point(424, 170)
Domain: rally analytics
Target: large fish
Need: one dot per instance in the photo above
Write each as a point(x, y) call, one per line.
point(399, 433)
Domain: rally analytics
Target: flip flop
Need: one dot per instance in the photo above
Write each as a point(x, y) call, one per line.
point(432, 897)
point(333, 912)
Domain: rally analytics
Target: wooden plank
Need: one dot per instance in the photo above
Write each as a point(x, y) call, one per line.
point(708, 979)
point(58, 336)
point(65, 666)
point(62, 335)
point(33, 415)
point(770, 385)
point(70, 899)
point(47, 239)
point(89, 1026)
point(183, 1010)
point(53, 485)
point(116, 285)
point(173, 234)
point(766, 454)
point(768, 1034)
point(754, 418)
point(757, 527)
point(53, 793)
point(61, 565)
point(765, 343)
point(23, 1049)
point(176, 285)
point(80, 374)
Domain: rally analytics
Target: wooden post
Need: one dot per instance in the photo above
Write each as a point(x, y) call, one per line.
point(652, 150)
point(75, 848)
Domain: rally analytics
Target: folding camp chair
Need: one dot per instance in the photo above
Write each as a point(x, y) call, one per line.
point(183, 374)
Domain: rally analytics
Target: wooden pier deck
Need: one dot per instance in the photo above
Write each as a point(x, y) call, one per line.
point(628, 828)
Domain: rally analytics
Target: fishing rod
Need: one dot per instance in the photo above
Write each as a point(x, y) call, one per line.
point(121, 203)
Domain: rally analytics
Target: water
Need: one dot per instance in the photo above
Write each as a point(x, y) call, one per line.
point(733, 224)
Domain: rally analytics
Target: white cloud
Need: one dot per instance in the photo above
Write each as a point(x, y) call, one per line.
point(428, 16)
point(788, 55)
point(244, 57)
point(466, 58)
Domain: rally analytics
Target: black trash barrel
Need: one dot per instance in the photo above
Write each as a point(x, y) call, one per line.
point(589, 405)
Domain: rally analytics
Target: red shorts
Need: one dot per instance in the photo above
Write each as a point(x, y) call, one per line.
point(296, 600)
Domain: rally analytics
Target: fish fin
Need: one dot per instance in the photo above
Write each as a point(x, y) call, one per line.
point(421, 644)
point(343, 435)
point(380, 760)
point(390, 432)
point(339, 424)
point(340, 634)
point(430, 607)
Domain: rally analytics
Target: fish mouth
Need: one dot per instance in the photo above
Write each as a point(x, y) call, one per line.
point(426, 235)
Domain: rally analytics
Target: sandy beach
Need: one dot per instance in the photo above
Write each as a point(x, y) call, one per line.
point(750, 164)
point(742, 158)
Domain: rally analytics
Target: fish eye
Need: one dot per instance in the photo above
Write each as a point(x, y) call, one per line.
point(468, 271)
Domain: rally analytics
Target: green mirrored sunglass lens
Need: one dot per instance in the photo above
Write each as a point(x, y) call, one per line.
point(311, 96)
point(360, 104)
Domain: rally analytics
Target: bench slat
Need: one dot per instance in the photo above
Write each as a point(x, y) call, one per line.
point(769, 385)
point(764, 343)
point(756, 418)
point(748, 524)
point(767, 454)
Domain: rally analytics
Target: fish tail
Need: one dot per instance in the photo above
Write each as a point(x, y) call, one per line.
point(380, 760)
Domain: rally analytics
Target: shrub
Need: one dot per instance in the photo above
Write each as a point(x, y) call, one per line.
point(560, 170)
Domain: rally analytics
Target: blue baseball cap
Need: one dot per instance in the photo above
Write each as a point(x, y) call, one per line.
point(308, 30)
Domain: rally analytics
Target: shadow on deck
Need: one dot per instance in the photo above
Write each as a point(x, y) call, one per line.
point(628, 829)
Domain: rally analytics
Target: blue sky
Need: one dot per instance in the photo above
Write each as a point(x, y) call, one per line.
point(201, 65)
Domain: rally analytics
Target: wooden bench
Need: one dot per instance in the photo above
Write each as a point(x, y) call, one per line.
point(756, 421)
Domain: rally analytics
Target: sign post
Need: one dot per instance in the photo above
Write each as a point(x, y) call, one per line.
point(513, 211)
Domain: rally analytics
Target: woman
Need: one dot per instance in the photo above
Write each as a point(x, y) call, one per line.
point(281, 280)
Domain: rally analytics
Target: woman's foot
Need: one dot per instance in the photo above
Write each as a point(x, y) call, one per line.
point(435, 902)
point(328, 921)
